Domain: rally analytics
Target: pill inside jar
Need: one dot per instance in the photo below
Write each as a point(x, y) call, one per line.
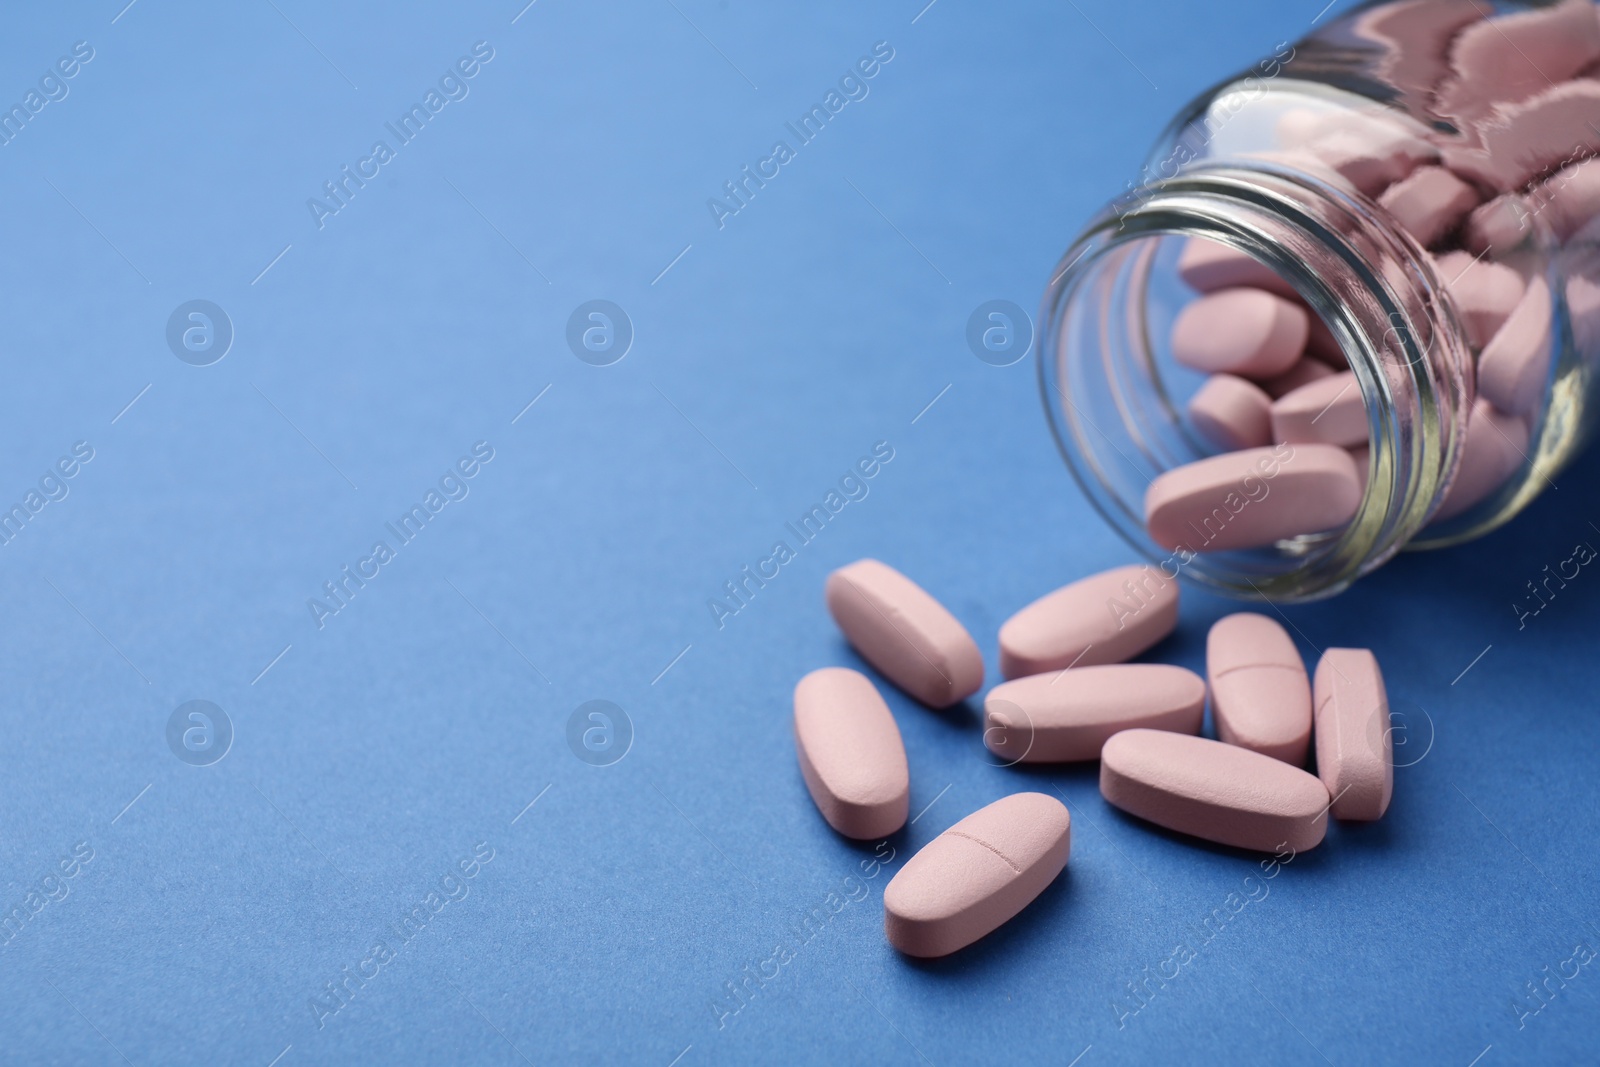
point(1388, 293)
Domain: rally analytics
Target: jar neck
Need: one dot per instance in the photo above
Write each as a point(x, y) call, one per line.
point(1106, 389)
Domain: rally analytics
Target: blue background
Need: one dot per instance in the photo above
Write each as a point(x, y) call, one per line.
point(374, 754)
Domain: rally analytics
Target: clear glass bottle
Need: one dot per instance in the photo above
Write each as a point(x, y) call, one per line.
point(1249, 166)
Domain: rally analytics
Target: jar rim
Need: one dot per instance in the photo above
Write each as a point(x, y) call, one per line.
point(1372, 285)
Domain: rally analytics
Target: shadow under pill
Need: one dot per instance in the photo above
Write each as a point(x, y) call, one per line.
point(963, 716)
point(1302, 859)
point(1373, 838)
point(1048, 778)
point(1045, 915)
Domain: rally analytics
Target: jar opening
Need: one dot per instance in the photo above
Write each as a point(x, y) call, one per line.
point(1115, 396)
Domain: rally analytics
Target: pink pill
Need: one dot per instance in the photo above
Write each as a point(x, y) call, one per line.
point(977, 875)
point(904, 632)
point(1469, 159)
point(1373, 160)
point(1209, 266)
point(1067, 716)
point(1495, 447)
point(1515, 364)
point(1104, 618)
point(1355, 751)
point(1429, 203)
point(1417, 36)
point(1521, 141)
point(1252, 498)
point(1260, 695)
point(1499, 225)
point(1569, 198)
point(851, 755)
point(1304, 372)
point(1329, 411)
point(1240, 331)
point(1214, 791)
point(1485, 293)
point(1546, 131)
point(1512, 57)
point(1232, 413)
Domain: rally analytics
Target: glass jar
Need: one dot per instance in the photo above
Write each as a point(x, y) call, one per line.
point(1296, 164)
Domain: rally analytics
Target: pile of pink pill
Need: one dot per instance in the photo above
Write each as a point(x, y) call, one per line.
point(1522, 93)
point(1072, 696)
point(1512, 145)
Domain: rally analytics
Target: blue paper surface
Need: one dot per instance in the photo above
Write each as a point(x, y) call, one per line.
point(272, 906)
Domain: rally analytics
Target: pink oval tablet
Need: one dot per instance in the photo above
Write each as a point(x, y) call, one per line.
point(1570, 198)
point(1514, 365)
point(1429, 203)
point(1252, 498)
point(1104, 618)
point(1249, 332)
point(904, 632)
point(1508, 58)
point(851, 754)
point(972, 878)
point(1260, 695)
point(1058, 718)
point(1495, 447)
point(1305, 371)
point(1372, 160)
point(1501, 224)
point(1355, 751)
point(1485, 293)
point(1414, 37)
point(1232, 413)
point(1522, 141)
point(1214, 791)
point(1209, 266)
point(1330, 411)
